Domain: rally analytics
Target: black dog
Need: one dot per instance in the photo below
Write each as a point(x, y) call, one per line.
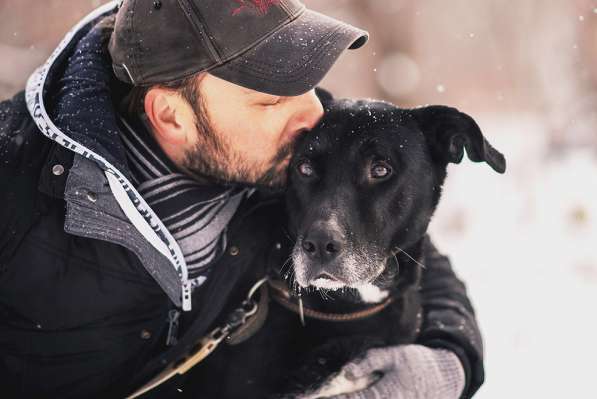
point(363, 187)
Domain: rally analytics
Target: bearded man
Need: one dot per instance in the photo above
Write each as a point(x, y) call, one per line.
point(136, 172)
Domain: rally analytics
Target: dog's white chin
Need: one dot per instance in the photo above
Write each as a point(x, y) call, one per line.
point(327, 284)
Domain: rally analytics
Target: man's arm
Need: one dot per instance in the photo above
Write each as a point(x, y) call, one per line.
point(449, 319)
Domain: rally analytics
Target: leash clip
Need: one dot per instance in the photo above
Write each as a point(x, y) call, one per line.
point(248, 308)
point(239, 316)
point(255, 287)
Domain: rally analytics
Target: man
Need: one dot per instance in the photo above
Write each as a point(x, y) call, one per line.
point(133, 171)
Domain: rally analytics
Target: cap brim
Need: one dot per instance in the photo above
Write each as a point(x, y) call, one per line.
point(296, 58)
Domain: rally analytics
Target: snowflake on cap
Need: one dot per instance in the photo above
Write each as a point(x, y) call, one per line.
point(261, 6)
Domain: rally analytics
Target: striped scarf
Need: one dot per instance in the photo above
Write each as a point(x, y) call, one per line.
point(195, 214)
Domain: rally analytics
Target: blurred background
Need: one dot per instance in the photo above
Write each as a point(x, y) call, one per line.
point(524, 242)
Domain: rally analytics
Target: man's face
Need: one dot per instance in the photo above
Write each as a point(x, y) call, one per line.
point(247, 136)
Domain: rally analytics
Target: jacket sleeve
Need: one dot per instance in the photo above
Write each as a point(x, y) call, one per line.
point(21, 151)
point(448, 317)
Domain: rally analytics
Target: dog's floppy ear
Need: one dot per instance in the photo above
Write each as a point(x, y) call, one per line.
point(449, 132)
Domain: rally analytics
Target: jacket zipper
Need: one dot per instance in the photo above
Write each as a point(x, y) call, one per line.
point(173, 320)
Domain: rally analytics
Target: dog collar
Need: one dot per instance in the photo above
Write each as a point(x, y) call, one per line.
point(282, 295)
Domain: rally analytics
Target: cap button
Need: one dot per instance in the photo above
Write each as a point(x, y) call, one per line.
point(157, 4)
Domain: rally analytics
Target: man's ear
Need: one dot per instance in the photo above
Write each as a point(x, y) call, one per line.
point(166, 112)
point(449, 131)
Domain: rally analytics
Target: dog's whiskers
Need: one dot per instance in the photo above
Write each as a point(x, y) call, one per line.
point(289, 277)
point(411, 258)
point(285, 264)
point(324, 294)
point(397, 265)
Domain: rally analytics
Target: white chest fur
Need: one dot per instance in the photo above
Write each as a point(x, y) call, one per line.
point(371, 294)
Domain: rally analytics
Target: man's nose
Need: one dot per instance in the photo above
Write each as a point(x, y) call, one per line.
point(308, 112)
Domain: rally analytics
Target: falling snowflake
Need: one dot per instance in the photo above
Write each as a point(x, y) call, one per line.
point(261, 6)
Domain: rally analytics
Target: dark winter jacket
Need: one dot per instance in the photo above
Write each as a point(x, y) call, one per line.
point(88, 273)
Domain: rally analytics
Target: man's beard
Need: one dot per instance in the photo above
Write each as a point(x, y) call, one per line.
point(213, 159)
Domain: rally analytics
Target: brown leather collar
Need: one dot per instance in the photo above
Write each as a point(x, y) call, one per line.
point(282, 295)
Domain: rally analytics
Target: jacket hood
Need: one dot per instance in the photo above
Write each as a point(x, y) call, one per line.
point(70, 98)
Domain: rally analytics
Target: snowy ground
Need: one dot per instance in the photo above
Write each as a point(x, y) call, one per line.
point(525, 244)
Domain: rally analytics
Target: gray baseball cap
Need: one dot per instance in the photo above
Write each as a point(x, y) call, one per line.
point(273, 46)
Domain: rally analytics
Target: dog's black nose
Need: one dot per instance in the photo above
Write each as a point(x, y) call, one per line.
point(323, 243)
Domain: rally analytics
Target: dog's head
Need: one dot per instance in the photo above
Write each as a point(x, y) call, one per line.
point(365, 183)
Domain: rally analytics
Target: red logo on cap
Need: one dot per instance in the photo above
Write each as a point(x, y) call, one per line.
point(261, 6)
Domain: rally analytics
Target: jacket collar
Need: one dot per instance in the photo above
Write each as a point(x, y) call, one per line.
point(77, 83)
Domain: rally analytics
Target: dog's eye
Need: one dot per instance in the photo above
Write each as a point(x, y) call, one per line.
point(305, 169)
point(380, 170)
